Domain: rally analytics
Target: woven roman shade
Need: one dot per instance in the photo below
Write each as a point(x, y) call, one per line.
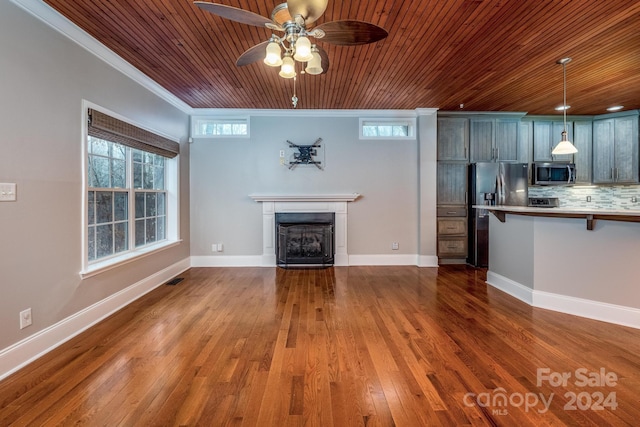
point(109, 128)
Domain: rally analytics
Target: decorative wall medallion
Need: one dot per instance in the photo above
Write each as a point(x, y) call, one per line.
point(306, 154)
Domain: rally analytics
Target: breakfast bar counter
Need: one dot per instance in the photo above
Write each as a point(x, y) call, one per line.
point(548, 258)
point(590, 215)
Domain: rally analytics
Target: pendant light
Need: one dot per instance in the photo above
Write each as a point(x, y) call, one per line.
point(564, 146)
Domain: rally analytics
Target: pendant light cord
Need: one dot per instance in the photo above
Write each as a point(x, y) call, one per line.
point(564, 85)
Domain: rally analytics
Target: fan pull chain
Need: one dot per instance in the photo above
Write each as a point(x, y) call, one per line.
point(294, 98)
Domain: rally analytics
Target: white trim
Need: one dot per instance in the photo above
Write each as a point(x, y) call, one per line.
point(31, 348)
point(305, 197)
point(383, 259)
point(510, 287)
point(111, 263)
point(231, 112)
point(611, 313)
point(618, 314)
point(427, 261)
point(45, 13)
point(409, 122)
point(340, 260)
point(229, 261)
point(172, 189)
point(194, 128)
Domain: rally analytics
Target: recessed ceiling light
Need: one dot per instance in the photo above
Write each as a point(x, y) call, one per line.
point(562, 107)
point(615, 108)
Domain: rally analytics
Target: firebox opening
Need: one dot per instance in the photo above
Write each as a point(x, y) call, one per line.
point(304, 239)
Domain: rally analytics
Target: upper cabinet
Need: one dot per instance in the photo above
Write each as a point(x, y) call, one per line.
point(546, 135)
point(453, 138)
point(615, 150)
point(582, 139)
point(494, 139)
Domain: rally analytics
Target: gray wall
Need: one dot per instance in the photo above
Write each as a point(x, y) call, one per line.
point(43, 79)
point(386, 172)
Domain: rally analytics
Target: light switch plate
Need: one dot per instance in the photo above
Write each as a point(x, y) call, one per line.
point(7, 192)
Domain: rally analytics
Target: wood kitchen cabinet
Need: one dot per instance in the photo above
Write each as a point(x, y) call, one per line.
point(546, 135)
point(452, 183)
point(493, 139)
point(615, 150)
point(583, 140)
point(452, 232)
point(453, 138)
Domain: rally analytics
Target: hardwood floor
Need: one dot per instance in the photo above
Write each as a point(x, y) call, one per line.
point(344, 346)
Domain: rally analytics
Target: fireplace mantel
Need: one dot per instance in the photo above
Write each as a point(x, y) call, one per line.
point(304, 197)
point(272, 203)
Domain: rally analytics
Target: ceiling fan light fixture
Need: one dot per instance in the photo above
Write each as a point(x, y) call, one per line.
point(314, 66)
point(288, 68)
point(302, 49)
point(273, 57)
point(564, 146)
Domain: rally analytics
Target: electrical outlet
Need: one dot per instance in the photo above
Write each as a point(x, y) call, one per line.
point(395, 246)
point(282, 153)
point(7, 192)
point(588, 198)
point(634, 199)
point(25, 318)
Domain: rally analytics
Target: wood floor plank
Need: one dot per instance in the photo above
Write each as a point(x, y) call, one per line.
point(343, 346)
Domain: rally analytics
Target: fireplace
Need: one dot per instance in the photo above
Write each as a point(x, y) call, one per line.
point(304, 239)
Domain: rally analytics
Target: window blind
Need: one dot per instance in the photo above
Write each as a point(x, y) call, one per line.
point(106, 127)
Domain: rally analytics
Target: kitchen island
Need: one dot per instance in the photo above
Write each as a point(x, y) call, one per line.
point(578, 261)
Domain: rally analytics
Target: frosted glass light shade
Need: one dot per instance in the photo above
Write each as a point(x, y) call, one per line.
point(273, 58)
point(564, 146)
point(303, 50)
point(287, 70)
point(314, 66)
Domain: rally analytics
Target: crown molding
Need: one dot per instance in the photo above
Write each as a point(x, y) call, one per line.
point(239, 112)
point(49, 16)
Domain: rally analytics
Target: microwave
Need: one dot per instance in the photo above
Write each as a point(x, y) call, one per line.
point(554, 173)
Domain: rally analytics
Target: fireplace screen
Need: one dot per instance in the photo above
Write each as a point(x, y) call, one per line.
point(304, 239)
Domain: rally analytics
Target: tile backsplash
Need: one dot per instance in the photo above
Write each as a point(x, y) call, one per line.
point(602, 197)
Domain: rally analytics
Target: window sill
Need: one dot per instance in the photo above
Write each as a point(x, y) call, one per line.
point(111, 263)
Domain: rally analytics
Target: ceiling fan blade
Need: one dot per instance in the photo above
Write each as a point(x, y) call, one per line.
point(233, 13)
point(349, 32)
point(310, 10)
point(325, 59)
point(253, 54)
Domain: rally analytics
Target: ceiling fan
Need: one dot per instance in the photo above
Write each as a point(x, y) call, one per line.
point(295, 19)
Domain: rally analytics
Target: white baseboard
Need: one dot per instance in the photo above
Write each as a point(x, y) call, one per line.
point(344, 260)
point(511, 287)
point(427, 261)
point(229, 261)
point(611, 313)
point(383, 259)
point(31, 348)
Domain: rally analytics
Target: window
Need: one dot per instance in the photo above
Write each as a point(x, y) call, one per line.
point(387, 128)
point(215, 128)
point(131, 186)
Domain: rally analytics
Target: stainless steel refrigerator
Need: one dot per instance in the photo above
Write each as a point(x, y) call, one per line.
point(492, 184)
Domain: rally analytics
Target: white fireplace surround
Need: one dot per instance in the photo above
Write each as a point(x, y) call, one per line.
point(277, 203)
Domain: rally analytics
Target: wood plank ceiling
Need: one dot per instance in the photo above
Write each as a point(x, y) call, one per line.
point(490, 55)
